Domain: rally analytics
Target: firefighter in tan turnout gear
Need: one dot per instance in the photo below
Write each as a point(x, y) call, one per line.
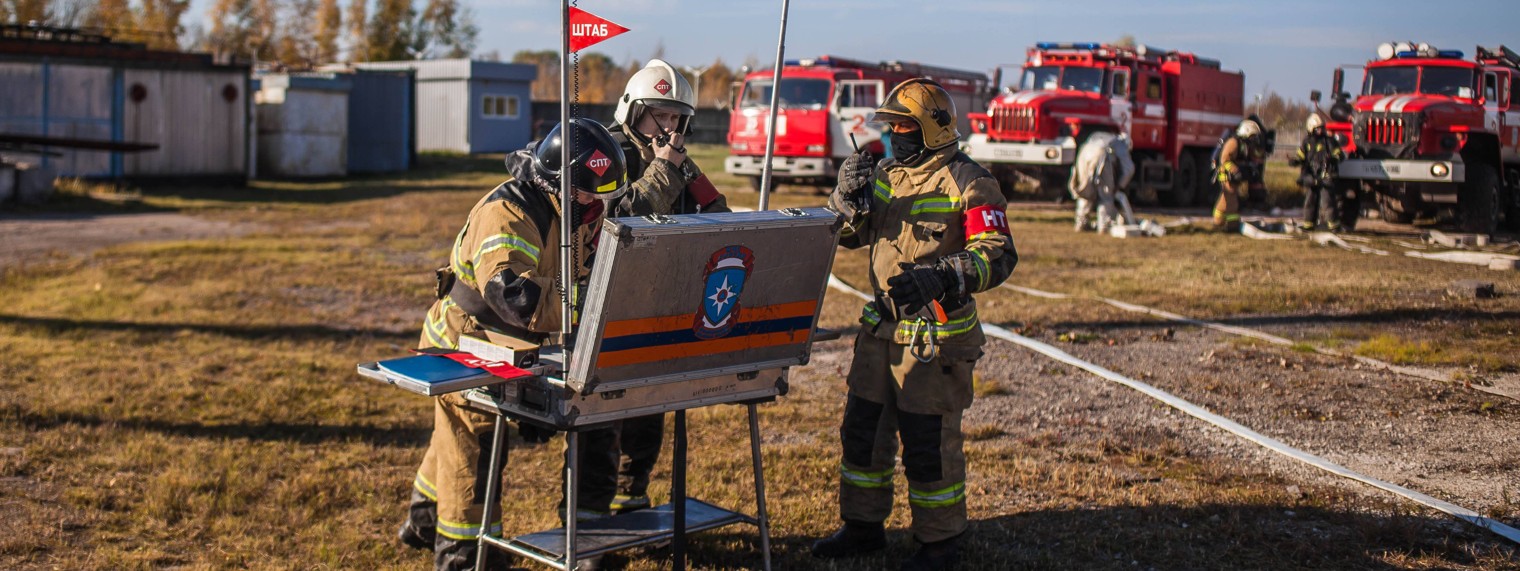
point(937, 231)
point(650, 123)
point(503, 275)
point(1234, 174)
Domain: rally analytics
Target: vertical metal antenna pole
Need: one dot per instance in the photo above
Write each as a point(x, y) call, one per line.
point(761, 516)
point(566, 198)
point(770, 126)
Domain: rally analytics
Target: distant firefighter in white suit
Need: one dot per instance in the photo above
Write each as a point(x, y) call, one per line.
point(1102, 169)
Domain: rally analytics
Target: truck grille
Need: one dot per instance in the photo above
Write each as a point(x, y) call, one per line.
point(1386, 130)
point(1387, 135)
point(1017, 119)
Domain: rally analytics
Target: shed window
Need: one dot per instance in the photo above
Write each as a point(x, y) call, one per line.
point(499, 107)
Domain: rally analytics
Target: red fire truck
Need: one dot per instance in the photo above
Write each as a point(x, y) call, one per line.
point(823, 102)
point(1432, 132)
point(1174, 105)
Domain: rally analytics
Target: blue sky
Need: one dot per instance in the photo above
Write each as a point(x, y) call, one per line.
point(1289, 46)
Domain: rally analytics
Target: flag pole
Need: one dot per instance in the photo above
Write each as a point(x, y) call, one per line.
point(770, 129)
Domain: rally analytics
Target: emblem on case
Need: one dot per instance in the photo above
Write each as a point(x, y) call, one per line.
point(722, 283)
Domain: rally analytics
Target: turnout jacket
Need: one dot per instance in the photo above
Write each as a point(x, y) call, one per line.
point(511, 237)
point(659, 186)
point(1318, 158)
point(947, 207)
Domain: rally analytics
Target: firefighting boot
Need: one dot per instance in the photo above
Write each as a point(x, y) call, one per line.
point(1306, 227)
point(855, 538)
point(420, 530)
point(936, 556)
point(624, 503)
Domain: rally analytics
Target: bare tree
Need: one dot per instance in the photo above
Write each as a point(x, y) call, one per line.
point(25, 11)
point(358, 37)
point(161, 22)
point(110, 16)
point(329, 26)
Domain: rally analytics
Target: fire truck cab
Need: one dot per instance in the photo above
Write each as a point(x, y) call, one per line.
point(1173, 105)
point(823, 102)
point(1431, 132)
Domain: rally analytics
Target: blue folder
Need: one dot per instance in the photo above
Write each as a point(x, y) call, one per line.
point(433, 375)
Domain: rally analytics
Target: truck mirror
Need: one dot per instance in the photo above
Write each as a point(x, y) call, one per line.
point(1314, 96)
point(1339, 82)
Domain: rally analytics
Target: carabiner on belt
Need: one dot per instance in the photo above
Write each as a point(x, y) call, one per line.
point(930, 350)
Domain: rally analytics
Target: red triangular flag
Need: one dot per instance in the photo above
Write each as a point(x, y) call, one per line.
point(587, 29)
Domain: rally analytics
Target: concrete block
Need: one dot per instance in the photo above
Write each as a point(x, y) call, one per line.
point(1456, 240)
point(1471, 289)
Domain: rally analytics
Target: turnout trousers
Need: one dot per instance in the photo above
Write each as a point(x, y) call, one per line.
point(897, 402)
point(1321, 200)
point(1227, 208)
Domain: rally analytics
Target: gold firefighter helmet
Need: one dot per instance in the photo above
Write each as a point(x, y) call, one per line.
point(927, 104)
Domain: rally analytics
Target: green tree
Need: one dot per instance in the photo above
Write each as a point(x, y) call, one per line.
point(391, 35)
point(446, 29)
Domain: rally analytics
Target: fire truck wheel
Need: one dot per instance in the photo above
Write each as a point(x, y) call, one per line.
point(1351, 206)
point(1184, 182)
point(1478, 200)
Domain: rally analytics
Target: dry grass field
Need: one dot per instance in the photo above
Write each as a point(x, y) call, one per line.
point(192, 404)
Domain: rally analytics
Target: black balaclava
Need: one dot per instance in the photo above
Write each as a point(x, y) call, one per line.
point(908, 148)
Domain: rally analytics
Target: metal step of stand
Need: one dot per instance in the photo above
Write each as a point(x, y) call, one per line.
point(669, 522)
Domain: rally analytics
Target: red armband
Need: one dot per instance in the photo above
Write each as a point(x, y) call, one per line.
point(983, 219)
point(703, 190)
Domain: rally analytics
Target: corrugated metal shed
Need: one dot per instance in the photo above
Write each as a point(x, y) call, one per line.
point(380, 121)
point(469, 106)
point(59, 84)
point(303, 125)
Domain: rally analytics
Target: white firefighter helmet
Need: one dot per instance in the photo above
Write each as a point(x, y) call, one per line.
point(1248, 129)
point(1315, 121)
point(658, 85)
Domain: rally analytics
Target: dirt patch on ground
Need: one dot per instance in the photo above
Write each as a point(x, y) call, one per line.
point(28, 238)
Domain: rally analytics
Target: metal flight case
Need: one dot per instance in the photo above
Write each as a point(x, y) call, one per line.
point(681, 312)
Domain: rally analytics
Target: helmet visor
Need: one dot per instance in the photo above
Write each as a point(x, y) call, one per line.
point(668, 105)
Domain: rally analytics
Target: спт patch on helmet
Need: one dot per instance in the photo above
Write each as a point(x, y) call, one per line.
point(927, 104)
point(597, 164)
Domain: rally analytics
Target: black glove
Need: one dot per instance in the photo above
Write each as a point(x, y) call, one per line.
point(534, 433)
point(855, 176)
point(917, 286)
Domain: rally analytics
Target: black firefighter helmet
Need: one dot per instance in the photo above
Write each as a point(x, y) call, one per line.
point(597, 165)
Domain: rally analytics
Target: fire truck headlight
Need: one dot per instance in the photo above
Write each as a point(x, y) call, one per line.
point(1052, 153)
point(737, 146)
point(1439, 170)
point(815, 148)
point(981, 126)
